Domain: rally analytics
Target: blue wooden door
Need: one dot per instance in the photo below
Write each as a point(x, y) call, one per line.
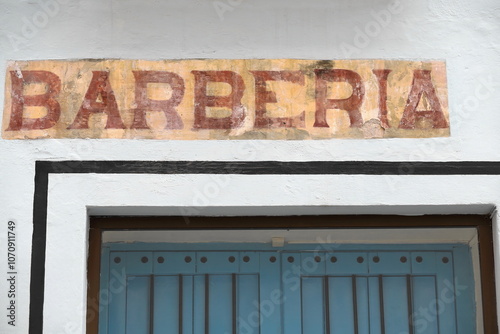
point(289, 292)
point(194, 293)
point(372, 293)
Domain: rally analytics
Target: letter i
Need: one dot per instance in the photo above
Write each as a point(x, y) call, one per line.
point(382, 98)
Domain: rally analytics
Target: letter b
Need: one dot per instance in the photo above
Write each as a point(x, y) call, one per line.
point(47, 100)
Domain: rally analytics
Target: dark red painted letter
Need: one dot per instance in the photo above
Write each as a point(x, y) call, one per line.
point(264, 96)
point(231, 101)
point(352, 104)
point(47, 100)
point(422, 84)
point(382, 97)
point(99, 85)
point(142, 78)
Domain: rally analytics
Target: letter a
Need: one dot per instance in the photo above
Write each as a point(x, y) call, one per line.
point(422, 84)
point(99, 85)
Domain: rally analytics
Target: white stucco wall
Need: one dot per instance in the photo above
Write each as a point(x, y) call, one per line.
point(464, 33)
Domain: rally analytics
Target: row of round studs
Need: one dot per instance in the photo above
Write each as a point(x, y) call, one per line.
point(290, 259)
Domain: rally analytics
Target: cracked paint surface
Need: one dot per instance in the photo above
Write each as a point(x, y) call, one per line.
point(202, 99)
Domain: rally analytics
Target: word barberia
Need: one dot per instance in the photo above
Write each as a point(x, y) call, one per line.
point(217, 99)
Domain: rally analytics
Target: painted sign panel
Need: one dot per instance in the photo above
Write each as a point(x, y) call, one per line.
point(225, 99)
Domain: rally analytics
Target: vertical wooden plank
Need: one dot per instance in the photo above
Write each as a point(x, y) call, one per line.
point(220, 304)
point(313, 308)
point(374, 305)
point(464, 290)
point(100, 313)
point(326, 298)
point(445, 285)
point(488, 289)
point(187, 305)
point(166, 305)
point(425, 303)
point(137, 321)
point(180, 304)
point(151, 303)
point(118, 289)
point(341, 305)
point(94, 285)
point(198, 304)
point(234, 303)
point(270, 292)
point(207, 304)
point(292, 316)
point(362, 305)
point(409, 303)
point(395, 304)
point(248, 318)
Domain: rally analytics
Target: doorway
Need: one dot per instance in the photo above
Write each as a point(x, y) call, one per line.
point(337, 275)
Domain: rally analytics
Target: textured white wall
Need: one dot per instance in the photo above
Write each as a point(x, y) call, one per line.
point(464, 33)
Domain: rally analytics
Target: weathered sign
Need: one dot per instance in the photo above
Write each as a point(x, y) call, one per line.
point(225, 99)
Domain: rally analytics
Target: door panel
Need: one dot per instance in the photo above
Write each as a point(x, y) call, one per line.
point(220, 304)
point(425, 316)
point(362, 305)
point(138, 316)
point(199, 313)
point(291, 276)
point(313, 317)
point(248, 318)
point(341, 304)
point(287, 292)
point(395, 304)
point(167, 304)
